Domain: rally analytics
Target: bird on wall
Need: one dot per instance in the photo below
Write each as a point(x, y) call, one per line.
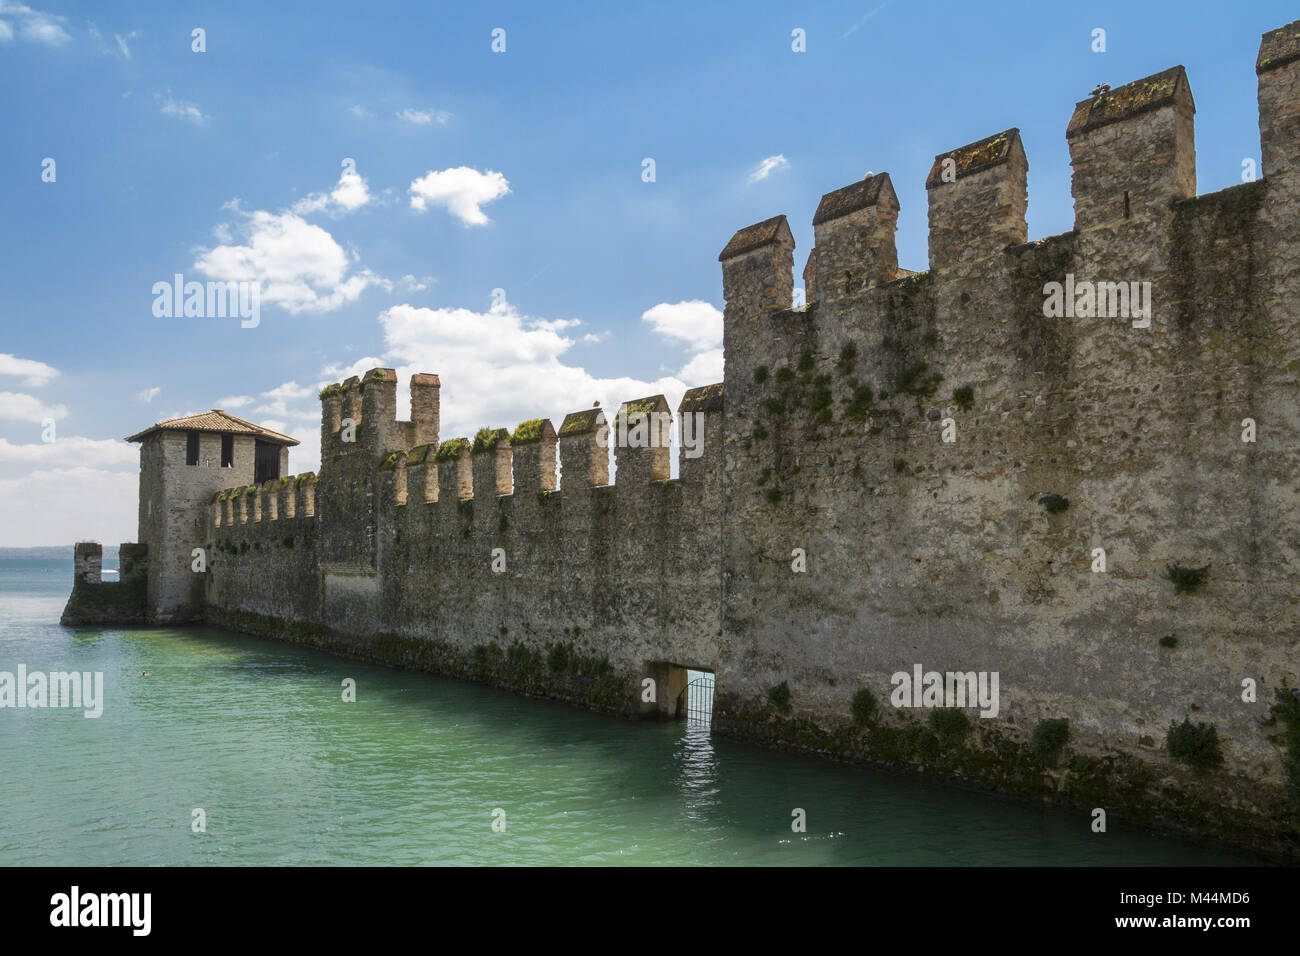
point(1100, 89)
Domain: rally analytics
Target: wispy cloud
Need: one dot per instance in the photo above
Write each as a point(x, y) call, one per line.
point(147, 395)
point(170, 106)
point(122, 43)
point(855, 26)
point(767, 167)
point(423, 117)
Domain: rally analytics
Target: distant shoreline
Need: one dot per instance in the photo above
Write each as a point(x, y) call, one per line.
point(53, 551)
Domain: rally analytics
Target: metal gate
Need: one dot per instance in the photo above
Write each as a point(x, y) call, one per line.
point(699, 700)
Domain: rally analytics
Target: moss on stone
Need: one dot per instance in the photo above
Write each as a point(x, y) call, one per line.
point(106, 602)
point(331, 391)
point(635, 411)
point(848, 358)
point(579, 423)
point(1186, 580)
point(917, 380)
point(1285, 710)
point(1054, 504)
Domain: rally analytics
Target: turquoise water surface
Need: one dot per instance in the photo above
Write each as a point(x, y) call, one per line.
point(256, 734)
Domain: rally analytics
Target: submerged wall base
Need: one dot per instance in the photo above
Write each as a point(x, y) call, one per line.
point(1131, 791)
point(1219, 808)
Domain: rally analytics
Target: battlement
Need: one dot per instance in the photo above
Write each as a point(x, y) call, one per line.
point(288, 498)
point(359, 415)
point(1133, 157)
point(499, 463)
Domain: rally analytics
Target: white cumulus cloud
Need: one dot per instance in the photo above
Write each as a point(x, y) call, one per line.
point(34, 373)
point(300, 266)
point(696, 323)
point(704, 369)
point(17, 407)
point(92, 452)
point(461, 190)
point(34, 26)
point(351, 192)
point(498, 367)
point(57, 506)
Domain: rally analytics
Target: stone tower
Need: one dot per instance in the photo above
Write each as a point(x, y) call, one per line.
point(183, 463)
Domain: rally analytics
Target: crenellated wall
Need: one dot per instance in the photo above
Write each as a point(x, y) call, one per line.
point(909, 435)
point(909, 470)
point(474, 545)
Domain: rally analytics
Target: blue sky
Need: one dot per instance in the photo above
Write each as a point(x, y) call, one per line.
point(474, 171)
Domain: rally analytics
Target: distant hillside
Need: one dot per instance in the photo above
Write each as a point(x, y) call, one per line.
point(57, 552)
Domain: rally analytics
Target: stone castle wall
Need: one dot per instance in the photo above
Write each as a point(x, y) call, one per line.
point(392, 547)
point(826, 445)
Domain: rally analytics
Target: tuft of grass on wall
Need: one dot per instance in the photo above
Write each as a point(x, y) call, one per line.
point(1049, 737)
point(864, 708)
point(778, 696)
point(1196, 745)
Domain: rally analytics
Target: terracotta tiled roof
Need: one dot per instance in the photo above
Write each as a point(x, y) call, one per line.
point(214, 421)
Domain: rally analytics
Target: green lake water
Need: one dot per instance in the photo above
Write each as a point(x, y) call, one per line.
point(256, 734)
